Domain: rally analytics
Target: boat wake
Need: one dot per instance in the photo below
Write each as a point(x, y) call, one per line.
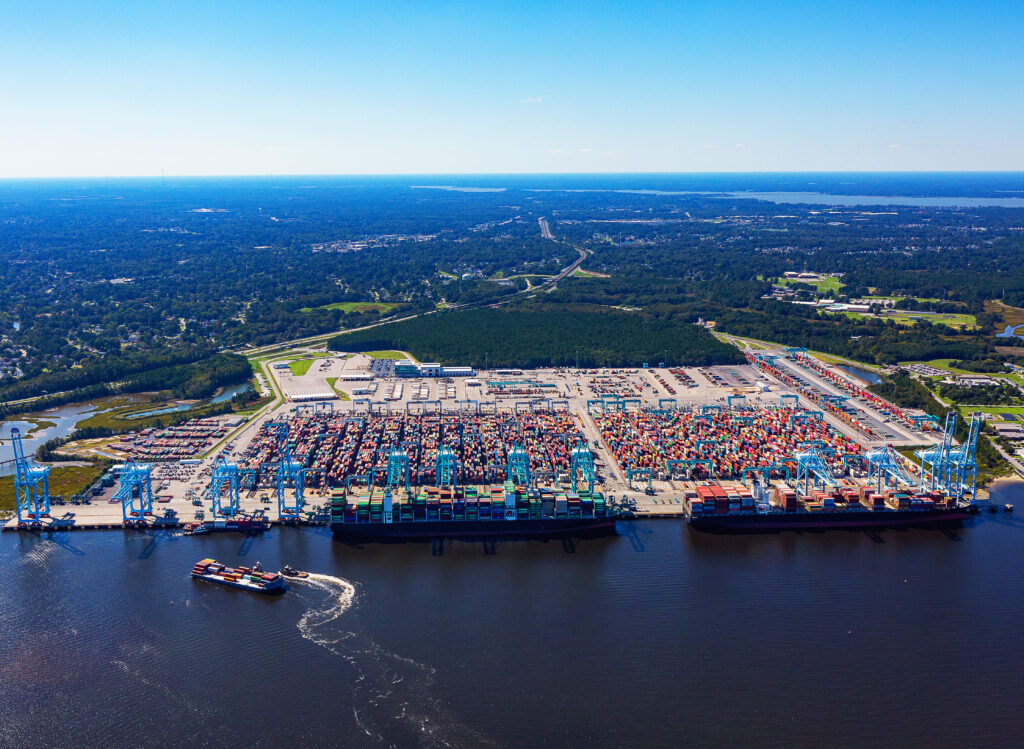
point(393, 696)
point(343, 594)
point(201, 711)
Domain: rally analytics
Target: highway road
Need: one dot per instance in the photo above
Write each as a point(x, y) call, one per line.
point(545, 230)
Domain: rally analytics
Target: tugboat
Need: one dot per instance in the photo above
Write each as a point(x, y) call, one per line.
point(289, 571)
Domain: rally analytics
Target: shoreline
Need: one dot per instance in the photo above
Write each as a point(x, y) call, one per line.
point(998, 484)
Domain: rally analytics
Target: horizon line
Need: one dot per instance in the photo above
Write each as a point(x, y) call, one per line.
point(299, 175)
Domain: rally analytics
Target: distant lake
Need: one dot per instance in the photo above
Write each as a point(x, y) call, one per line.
point(1011, 332)
point(230, 392)
point(819, 198)
point(454, 188)
point(863, 374)
point(816, 198)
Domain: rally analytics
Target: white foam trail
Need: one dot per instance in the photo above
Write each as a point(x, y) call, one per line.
point(169, 694)
point(387, 687)
point(316, 618)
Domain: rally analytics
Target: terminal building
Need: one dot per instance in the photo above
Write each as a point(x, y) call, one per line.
point(430, 369)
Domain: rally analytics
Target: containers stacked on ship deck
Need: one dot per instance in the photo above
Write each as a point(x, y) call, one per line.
point(440, 504)
point(713, 500)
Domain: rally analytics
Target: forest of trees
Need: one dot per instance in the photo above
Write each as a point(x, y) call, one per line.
point(544, 336)
point(188, 373)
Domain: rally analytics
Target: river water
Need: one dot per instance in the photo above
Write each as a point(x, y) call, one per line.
point(860, 373)
point(63, 420)
point(661, 636)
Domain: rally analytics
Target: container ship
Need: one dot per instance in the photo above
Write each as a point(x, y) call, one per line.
point(256, 523)
point(369, 513)
point(246, 578)
point(734, 510)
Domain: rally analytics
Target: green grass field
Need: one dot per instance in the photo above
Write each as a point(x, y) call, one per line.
point(301, 366)
point(348, 307)
point(388, 355)
point(953, 320)
point(1017, 411)
point(897, 298)
point(580, 273)
point(64, 481)
point(342, 395)
point(827, 285)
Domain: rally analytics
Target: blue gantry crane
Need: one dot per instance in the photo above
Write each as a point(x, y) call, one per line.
point(519, 466)
point(288, 470)
point(963, 463)
point(223, 489)
point(642, 473)
point(887, 469)
point(948, 468)
point(812, 470)
point(446, 469)
point(581, 463)
point(398, 473)
point(936, 466)
point(686, 467)
point(398, 469)
point(31, 485)
point(135, 492)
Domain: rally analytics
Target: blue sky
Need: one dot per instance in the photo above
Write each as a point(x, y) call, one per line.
point(133, 88)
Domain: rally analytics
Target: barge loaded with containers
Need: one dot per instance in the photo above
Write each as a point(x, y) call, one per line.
point(369, 513)
point(254, 579)
point(734, 510)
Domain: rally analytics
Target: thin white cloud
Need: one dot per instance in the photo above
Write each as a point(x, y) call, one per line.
point(739, 145)
point(895, 145)
point(586, 150)
point(532, 100)
point(557, 151)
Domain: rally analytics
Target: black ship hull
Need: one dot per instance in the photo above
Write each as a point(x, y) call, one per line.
point(851, 520)
point(420, 530)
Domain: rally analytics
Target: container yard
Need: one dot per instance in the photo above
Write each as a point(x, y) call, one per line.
point(714, 443)
point(171, 443)
point(334, 448)
point(654, 439)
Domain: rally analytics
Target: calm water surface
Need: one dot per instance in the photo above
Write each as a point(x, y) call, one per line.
point(63, 420)
point(659, 637)
point(859, 372)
